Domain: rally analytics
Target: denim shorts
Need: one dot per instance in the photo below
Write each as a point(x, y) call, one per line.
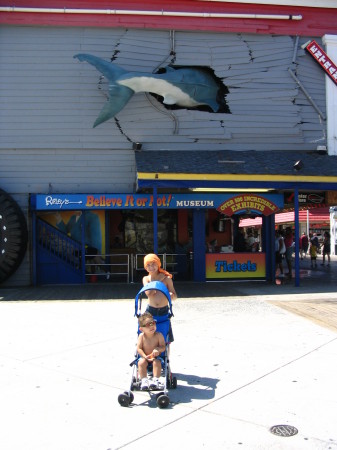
point(161, 312)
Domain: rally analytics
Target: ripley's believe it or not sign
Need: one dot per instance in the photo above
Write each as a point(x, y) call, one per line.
point(225, 203)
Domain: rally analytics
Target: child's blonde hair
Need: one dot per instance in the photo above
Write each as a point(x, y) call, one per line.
point(143, 317)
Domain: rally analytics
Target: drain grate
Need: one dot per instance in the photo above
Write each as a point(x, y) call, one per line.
point(284, 430)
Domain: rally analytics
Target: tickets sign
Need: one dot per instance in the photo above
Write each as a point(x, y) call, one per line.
point(235, 265)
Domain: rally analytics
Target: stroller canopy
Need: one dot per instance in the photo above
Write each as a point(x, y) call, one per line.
point(154, 285)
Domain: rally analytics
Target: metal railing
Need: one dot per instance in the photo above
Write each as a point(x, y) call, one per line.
point(59, 244)
point(169, 262)
point(108, 267)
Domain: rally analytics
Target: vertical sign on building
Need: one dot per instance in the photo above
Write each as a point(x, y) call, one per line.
point(322, 59)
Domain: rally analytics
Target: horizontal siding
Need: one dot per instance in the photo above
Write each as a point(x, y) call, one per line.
point(76, 171)
point(51, 100)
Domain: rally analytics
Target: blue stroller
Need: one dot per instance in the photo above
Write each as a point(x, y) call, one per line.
point(163, 324)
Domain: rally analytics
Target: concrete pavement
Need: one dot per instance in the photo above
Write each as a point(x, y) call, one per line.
point(243, 365)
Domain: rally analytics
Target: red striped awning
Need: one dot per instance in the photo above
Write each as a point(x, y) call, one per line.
point(317, 215)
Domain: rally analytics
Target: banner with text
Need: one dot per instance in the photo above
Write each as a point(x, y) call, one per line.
point(235, 265)
point(224, 203)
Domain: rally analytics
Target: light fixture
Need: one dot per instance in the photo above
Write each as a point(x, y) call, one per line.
point(322, 150)
point(298, 165)
point(230, 190)
point(136, 146)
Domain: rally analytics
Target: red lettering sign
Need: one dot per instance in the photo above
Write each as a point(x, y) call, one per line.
point(250, 202)
point(323, 60)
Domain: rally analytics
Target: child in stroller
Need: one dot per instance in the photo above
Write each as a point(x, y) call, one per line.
point(150, 345)
point(160, 342)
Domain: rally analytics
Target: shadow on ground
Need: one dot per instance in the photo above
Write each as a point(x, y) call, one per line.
point(322, 279)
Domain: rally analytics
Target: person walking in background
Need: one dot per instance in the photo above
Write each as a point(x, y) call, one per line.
point(289, 241)
point(250, 241)
point(314, 238)
point(313, 251)
point(326, 247)
point(239, 241)
point(304, 245)
point(279, 253)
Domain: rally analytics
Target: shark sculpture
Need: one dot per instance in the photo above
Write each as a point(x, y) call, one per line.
point(182, 86)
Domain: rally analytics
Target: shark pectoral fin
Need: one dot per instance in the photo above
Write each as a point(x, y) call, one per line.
point(118, 98)
point(109, 70)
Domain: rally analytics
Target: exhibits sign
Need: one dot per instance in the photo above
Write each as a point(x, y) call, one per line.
point(249, 203)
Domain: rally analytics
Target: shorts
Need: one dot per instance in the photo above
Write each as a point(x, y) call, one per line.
point(278, 257)
point(150, 363)
point(326, 249)
point(289, 253)
point(161, 312)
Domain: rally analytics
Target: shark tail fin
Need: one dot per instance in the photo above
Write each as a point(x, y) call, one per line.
point(118, 98)
point(108, 69)
point(118, 95)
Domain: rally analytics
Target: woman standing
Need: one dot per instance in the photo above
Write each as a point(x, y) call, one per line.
point(289, 241)
point(326, 248)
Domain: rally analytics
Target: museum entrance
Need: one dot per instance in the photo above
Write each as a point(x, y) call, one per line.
point(130, 232)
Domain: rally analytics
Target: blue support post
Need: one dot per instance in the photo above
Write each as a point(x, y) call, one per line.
point(269, 239)
point(272, 246)
point(83, 245)
point(199, 245)
point(297, 246)
point(155, 221)
point(34, 247)
point(107, 233)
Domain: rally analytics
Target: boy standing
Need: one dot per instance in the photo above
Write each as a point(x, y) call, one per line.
point(157, 301)
point(150, 345)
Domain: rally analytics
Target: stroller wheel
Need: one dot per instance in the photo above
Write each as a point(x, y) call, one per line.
point(174, 383)
point(163, 401)
point(125, 399)
point(130, 395)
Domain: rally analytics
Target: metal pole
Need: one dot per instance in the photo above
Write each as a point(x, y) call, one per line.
point(297, 247)
point(83, 245)
point(155, 221)
point(34, 248)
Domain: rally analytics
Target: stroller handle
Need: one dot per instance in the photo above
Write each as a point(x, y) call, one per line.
point(154, 285)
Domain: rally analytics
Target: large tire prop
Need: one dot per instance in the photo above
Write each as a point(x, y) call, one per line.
point(13, 236)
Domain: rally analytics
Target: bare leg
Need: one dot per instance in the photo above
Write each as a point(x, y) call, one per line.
point(142, 367)
point(156, 368)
